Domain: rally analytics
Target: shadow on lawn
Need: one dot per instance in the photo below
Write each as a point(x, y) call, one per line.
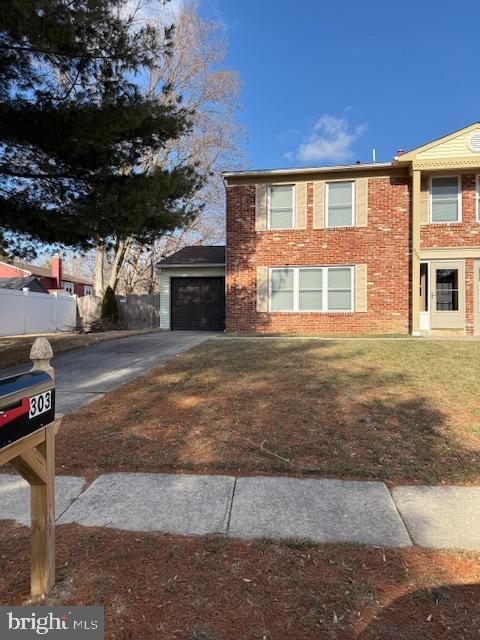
point(429, 613)
point(326, 409)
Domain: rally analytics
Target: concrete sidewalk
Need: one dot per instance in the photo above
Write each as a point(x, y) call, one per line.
point(280, 508)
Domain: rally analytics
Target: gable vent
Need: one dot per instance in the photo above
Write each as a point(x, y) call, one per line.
point(474, 142)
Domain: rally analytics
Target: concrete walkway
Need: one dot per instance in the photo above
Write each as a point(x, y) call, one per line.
point(84, 374)
point(263, 507)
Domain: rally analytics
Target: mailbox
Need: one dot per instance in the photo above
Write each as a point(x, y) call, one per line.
point(27, 403)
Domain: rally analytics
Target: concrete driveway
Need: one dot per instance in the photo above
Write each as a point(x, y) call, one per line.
point(85, 374)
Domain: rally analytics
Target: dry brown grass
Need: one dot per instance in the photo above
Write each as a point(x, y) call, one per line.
point(401, 411)
point(172, 588)
point(15, 350)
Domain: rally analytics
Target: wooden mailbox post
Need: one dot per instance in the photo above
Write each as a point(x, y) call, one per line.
point(28, 428)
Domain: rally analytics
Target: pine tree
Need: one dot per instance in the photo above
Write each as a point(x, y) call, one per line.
point(109, 306)
point(75, 128)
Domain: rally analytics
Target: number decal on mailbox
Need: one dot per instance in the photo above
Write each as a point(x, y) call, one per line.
point(40, 404)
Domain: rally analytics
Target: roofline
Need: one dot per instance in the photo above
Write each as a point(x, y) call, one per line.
point(407, 156)
point(10, 264)
point(170, 265)
point(332, 169)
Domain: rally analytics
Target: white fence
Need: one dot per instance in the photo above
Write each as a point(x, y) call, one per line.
point(23, 312)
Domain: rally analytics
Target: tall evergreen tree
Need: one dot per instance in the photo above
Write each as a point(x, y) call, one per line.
point(75, 127)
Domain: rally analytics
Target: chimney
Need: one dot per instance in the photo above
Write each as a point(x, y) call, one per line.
point(400, 152)
point(57, 270)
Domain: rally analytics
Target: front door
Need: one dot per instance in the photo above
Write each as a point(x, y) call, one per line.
point(447, 290)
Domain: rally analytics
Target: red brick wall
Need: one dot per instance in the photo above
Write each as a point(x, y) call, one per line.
point(383, 246)
point(464, 234)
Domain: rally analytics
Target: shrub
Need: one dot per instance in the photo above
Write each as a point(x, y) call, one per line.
point(109, 306)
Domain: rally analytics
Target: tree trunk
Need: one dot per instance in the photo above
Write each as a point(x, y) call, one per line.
point(99, 258)
point(122, 248)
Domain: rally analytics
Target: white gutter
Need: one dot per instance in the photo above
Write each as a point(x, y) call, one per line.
point(334, 169)
point(197, 265)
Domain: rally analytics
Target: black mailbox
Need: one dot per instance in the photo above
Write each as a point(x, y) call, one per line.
point(27, 403)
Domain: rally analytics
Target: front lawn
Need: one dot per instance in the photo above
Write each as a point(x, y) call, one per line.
point(157, 587)
point(396, 410)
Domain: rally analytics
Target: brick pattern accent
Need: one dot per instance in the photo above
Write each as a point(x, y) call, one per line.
point(383, 246)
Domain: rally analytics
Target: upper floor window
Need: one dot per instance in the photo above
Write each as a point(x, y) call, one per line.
point(340, 204)
point(478, 198)
point(280, 206)
point(311, 289)
point(445, 204)
point(87, 290)
point(68, 287)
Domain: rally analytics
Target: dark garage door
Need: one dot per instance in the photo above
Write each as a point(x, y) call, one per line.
point(197, 303)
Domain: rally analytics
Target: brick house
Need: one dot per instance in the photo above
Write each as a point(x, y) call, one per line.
point(52, 279)
point(366, 248)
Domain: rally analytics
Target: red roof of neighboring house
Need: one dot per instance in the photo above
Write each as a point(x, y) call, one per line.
point(46, 272)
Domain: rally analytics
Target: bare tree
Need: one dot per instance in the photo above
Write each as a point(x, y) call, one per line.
point(193, 71)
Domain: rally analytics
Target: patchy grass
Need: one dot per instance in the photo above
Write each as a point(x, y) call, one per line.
point(172, 588)
point(400, 411)
point(16, 349)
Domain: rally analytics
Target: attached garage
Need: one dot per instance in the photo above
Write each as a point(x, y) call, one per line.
point(192, 289)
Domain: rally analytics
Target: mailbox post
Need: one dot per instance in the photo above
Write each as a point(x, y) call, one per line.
point(27, 442)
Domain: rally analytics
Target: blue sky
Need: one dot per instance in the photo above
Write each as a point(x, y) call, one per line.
point(325, 82)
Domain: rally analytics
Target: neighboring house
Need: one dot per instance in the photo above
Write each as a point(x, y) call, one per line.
point(366, 248)
point(52, 279)
point(31, 283)
point(192, 289)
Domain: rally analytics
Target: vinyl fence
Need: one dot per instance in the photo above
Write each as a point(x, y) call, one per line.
point(134, 311)
point(24, 312)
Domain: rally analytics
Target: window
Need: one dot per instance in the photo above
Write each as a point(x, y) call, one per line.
point(87, 290)
point(311, 289)
point(447, 289)
point(281, 298)
point(478, 198)
point(340, 204)
point(445, 199)
point(280, 207)
point(424, 286)
point(68, 287)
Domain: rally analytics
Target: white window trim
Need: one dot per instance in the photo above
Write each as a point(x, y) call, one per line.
point(269, 190)
point(70, 286)
point(87, 289)
point(296, 289)
point(459, 200)
point(327, 189)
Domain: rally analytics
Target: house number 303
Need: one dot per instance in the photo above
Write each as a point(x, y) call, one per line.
point(40, 404)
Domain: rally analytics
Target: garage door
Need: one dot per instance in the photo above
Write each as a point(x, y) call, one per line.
point(197, 303)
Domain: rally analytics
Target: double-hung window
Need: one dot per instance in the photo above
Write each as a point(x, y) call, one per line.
point(478, 198)
point(340, 204)
point(280, 206)
point(311, 289)
point(445, 205)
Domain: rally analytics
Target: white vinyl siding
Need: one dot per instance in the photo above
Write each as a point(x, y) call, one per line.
point(445, 204)
point(340, 204)
point(311, 289)
point(280, 207)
